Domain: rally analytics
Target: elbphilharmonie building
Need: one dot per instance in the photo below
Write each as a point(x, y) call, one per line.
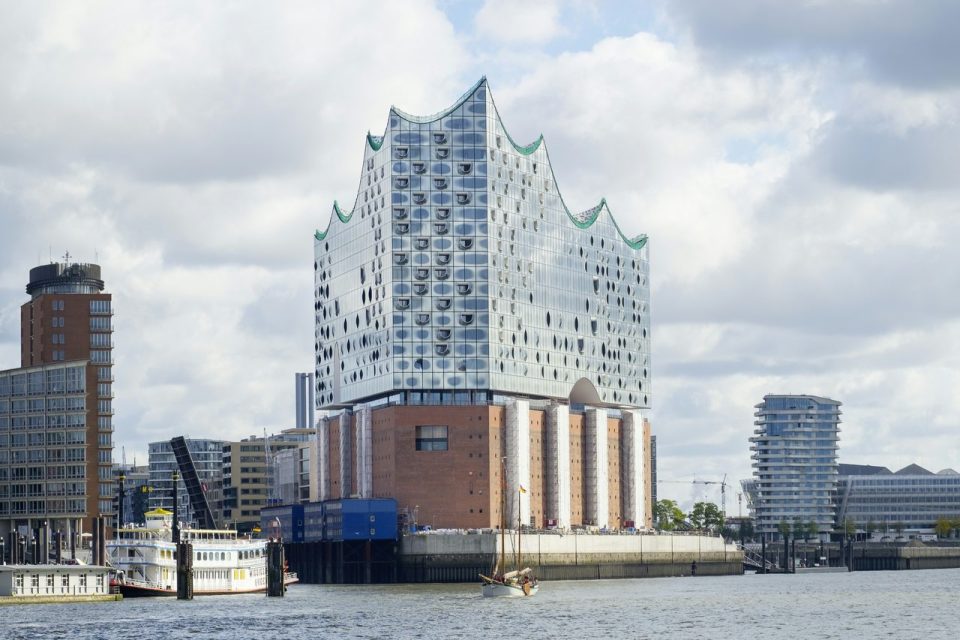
point(469, 323)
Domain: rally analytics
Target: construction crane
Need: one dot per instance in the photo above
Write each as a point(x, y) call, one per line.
point(723, 489)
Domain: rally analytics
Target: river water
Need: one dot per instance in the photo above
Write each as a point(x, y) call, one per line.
point(880, 604)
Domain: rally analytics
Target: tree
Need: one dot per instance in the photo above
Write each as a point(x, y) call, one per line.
point(668, 515)
point(870, 527)
point(813, 529)
point(698, 516)
point(706, 515)
point(849, 527)
point(799, 528)
point(784, 528)
point(942, 528)
point(899, 526)
point(746, 530)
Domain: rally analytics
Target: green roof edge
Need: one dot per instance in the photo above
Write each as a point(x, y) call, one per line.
point(371, 140)
point(344, 218)
point(636, 243)
point(440, 114)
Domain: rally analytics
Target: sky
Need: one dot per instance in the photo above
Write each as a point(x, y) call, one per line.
point(795, 165)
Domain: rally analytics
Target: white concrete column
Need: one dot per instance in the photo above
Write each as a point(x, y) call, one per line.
point(557, 465)
point(364, 443)
point(518, 461)
point(597, 498)
point(346, 454)
point(633, 471)
point(322, 464)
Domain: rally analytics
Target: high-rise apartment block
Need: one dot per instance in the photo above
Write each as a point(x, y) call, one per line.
point(469, 323)
point(794, 452)
point(56, 410)
point(248, 475)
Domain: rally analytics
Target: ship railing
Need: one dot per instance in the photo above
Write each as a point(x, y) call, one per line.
point(149, 584)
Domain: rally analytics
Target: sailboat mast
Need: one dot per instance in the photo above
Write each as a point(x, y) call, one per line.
point(501, 561)
point(519, 526)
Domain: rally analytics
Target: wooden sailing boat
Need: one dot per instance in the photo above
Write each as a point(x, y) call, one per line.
point(517, 582)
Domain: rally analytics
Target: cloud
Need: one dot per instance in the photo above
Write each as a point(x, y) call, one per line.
point(923, 158)
point(793, 173)
point(192, 151)
point(907, 43)
point(527, 23)
point(802, 230)
point(643, 122)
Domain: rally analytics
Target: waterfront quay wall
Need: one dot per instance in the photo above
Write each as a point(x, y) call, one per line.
point(882, 557)
point(460, 557)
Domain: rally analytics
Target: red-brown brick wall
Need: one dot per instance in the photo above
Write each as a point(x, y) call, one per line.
point(461, 487)
point(36, 345)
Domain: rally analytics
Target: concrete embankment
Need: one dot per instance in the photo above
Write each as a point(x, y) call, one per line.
point(883, 557)
point(62, 599)
point(455, 557)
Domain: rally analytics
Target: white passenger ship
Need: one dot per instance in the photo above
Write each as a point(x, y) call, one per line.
point(145, 559)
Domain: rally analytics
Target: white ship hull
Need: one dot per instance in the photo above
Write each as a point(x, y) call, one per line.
point(501, 590)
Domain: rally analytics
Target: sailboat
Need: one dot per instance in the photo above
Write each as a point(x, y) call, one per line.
point(517, 582)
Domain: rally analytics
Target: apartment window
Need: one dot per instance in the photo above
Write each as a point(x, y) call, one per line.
point(98, 340)
point(431, 438)
point(99, 306)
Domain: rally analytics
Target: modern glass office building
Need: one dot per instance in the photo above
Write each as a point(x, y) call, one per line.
point(794, 454)
point(460, 277)
point(909, 500)
point(460, 268)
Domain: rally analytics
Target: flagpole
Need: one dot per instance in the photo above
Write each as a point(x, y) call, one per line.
point(519, 525)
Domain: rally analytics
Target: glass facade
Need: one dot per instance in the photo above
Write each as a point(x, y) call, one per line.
point(460, 268)
point(794, 459)
point(207, 457)
point(900, 501)
point(44, 452)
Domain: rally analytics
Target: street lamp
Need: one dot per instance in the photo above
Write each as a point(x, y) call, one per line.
point(120, 492)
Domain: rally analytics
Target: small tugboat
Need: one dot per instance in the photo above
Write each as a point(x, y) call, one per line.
point(223, 563)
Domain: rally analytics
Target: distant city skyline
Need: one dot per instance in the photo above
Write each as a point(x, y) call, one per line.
point(795, 171)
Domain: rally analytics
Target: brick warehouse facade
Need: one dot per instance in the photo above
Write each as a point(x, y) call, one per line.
point(459, 486)
point(467, 321)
